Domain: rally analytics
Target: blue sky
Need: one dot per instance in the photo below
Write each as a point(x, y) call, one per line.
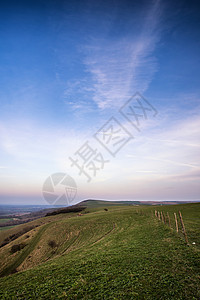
point(68, 67)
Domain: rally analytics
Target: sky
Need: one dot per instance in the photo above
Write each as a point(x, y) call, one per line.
point(105, 94)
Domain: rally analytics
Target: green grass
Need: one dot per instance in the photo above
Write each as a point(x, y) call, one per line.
point(24, 253)
point(5, 220)
point(124, 253)
point(191, 218)
point(5, 228)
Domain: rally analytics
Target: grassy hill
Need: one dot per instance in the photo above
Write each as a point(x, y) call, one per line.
point(105, 203)
point(122, 253)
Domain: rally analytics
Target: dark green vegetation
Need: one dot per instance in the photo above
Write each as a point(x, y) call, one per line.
point(17, 247)
point(66, 210)
point(5, 220)
point(122, 253)
point(4, 223)
point(5, 228)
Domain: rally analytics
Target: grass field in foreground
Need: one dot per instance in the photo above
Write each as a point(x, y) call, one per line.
point(122, 253)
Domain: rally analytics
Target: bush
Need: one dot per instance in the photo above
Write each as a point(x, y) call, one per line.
point(105, 209)
point(14, 236)
point(52, 244)
point(66, 210)
point(17, 247)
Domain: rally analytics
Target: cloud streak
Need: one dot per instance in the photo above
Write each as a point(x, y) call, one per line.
point(121, 67)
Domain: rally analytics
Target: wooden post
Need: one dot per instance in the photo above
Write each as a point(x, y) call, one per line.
point(162, 216)
point(183, 227)
point(176, 222)
point(158, 215)
point(168, 219)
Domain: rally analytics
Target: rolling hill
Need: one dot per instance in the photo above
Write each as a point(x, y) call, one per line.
point(123, 252)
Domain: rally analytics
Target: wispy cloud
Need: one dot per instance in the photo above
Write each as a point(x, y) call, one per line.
point(171, 154)
point(166, 161)
point(122, 66)
point(175, 142)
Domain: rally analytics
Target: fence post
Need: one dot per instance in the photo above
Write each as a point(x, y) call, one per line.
point(158, 215)
point(162, 216)
point(183, 227)
point(176, 222)
point(155, 213)
point(169, 219)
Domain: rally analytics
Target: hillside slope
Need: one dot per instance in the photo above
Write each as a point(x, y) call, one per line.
point(122, 253)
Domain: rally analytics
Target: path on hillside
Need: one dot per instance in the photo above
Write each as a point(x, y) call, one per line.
point(107, 233)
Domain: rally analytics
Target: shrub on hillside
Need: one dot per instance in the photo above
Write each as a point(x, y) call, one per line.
point(70, 209)
point(52, 244)
point(14, 236)
point(17, 247)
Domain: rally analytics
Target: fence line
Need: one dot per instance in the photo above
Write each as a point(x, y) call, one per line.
point(169, 222)
point(166, 220)
point(176, 222)
point(183, 227)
